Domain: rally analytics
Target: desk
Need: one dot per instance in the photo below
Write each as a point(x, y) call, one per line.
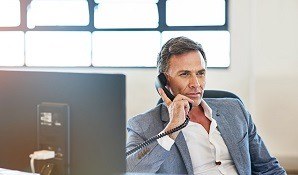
point(14, 172)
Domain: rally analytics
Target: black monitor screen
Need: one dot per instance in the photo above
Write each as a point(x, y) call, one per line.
point(89, 106)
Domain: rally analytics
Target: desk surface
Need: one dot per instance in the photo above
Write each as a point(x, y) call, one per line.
point(14, 172)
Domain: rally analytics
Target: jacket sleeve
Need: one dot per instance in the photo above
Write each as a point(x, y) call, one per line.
point(147, 159)
point(261, 160)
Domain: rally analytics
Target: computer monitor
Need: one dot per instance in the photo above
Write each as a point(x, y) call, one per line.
point(92, 104)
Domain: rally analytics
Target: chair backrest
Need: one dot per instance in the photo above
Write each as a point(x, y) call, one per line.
point(219, 94)
point(214, 94)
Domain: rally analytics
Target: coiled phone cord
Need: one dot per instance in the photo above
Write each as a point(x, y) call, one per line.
point(154, 138)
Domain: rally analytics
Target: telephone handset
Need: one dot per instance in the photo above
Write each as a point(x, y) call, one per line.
point(161, 82)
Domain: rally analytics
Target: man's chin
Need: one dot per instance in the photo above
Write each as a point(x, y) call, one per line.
point(197, 102)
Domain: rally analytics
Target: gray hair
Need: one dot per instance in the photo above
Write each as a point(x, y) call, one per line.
point(176, 46)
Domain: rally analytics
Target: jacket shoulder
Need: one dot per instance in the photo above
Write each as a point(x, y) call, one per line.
point(231, 102)
point(149, 121)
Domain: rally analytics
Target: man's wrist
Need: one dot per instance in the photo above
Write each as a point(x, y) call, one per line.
point(172, 135)
point(166, 142)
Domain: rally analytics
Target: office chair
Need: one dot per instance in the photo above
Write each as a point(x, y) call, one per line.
point(214, 94)
point(219, 94)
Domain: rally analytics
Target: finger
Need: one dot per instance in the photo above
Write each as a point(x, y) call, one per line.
point(186, 107)
point(182, 97)
point(164, 96)
point(185, 104)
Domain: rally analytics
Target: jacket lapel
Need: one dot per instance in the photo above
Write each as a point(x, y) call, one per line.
point(228, 136)
point(179, 142)
point(182, 147)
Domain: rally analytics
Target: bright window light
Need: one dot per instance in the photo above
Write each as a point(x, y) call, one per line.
point(68, 49)
point(10, 13)
point(126, 15)
point(58, 13)
point(216, 44)
point(12, 48)
point(101, 1)
point(195, 12)
point(125, 49)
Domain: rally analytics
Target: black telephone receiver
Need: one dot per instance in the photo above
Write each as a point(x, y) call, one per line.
point(161, 82)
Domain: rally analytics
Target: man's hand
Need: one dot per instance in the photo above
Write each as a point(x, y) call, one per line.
point(178, 109)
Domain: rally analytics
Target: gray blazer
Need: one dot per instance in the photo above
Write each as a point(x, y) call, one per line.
point(235, 124)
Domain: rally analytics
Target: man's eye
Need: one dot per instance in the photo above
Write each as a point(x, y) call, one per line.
point(184, 74)
point(201, 73)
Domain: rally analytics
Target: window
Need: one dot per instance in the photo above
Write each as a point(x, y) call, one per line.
point(125, 14)
point(195, 12)
point(58, 48)
point(58, 13)
point(216, 44)
point(108, 33)
point(9, 13)
point(134, 49)
point(12, 48)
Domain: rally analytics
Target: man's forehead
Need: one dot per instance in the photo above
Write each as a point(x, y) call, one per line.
point(187, 68)
point(181, 64)
point(190, 61)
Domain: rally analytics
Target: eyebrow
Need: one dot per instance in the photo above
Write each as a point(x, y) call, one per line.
point(202, 70)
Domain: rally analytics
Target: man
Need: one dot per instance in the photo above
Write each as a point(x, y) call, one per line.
point(220, 137)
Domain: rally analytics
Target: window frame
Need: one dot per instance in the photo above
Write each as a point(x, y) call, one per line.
point(161, 5)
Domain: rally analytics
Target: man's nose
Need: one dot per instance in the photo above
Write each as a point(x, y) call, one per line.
point(194, 82)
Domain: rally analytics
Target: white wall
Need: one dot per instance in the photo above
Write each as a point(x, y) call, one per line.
point(275, 74)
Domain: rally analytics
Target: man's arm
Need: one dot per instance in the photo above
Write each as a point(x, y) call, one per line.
point(261, 160)
point(148, 159)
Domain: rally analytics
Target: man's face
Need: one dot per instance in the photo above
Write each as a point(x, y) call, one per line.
point(186, 75)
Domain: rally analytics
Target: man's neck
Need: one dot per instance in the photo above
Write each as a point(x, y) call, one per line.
point(197, 115)
point(197, 112)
